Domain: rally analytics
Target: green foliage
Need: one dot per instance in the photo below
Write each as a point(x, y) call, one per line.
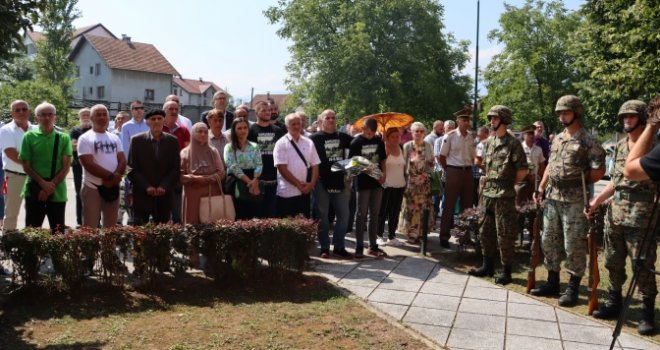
point(535, 66)
point(369, 56)
point(618, 55)
point(20, 68)
point(52, 61)
point(32, 91)
point(238, 248)
point(16, 16)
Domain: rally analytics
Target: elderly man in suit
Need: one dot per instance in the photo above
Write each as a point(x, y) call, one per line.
point(155, 168)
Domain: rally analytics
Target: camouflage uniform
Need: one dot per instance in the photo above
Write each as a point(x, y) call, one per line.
point(503, 157)
point(626, 222)
point(564, 234)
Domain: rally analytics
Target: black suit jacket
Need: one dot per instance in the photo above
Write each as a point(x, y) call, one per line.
point(229, 118)
point(149, 168)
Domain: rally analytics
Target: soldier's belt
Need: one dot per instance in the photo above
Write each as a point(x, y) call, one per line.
point(565, 183)
point(634, 196)
point(497, 182)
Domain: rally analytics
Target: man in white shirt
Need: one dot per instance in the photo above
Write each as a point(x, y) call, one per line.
point(457, 155)
point(536, 164)
point(297, 169)
point(102, 158)
point(11, 137)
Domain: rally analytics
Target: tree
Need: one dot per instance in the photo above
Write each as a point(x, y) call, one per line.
point(16, 16)
point(20, 68)
point(52, 60)
point(368, 56)
point(535, 67)
point(32, 91)
point(617, 55)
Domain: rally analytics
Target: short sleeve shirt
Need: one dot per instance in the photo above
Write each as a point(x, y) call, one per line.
point(266, 137)
point(37, 148)
point(570, 156)
point(104, 148)
point(534, 158)
point(374, 150)
point(458, 149)
point(285, 154)
point(11, 136)
point(651, 163)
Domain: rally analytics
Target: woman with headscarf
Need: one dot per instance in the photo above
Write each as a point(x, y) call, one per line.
point(243, 160)
point(201, 168)
point(419, 165)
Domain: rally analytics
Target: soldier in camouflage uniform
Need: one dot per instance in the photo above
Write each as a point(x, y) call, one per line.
point(574, 153)
point(505, 164)
point(626, 221)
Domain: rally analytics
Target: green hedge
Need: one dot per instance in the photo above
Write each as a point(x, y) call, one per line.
point(230, 247)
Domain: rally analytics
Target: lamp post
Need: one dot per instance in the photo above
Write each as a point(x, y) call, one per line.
point(476, 77)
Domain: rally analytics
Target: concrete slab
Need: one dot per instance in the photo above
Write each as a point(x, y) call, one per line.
point(478, 282)
point(533, 312)
point(478, 340)
point(450, 277)
point(359, 291)
point(485, 293)
point(400, 284)
point(455, 290)
point(532, 328)
point(570, 318)
point(430, 316)
point(519, 342)
point(586, 334)
point(484, 307)
point(391, 296)
point(523, 299)
point(438, 334)
point(568, 345)
point(629, 341)
point(477, 322)
point(395, 311)
point(432, 301)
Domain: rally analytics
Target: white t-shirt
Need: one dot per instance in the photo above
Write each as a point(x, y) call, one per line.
point(285, 154)
point(11, 136)
point(394, 166)
point(104, 148)
point(534, 158)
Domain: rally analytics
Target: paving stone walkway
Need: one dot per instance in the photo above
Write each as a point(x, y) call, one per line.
point(463, 312)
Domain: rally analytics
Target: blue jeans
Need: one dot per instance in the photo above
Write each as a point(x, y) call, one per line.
point(368, 208)
point(339, 202)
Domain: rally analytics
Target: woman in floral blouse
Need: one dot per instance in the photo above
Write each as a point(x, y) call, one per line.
point(243, 161)
point(419, 164)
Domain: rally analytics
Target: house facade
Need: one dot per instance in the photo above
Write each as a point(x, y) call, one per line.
point(31, 38)
point(195, 92)
point(120, 70)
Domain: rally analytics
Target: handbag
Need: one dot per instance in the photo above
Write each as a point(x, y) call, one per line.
point(108, 194)
point(33, 186)
point(214, 208)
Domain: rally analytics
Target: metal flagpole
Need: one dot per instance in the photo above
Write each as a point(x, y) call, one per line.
point(476, 76)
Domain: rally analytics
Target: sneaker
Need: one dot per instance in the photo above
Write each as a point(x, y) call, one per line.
point(342, 254)
point(394, 242)
point(359, 253)
point(381, 241)
point(325, 254)
point(377, 252)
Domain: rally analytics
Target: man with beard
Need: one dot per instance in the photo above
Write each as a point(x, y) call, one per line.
point(85, 125)
point(626, 221)
point(574, 155)
point(266, 135)
point(331, 189)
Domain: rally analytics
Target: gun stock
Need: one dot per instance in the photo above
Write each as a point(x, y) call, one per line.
point(535, 256)
point(595, 274)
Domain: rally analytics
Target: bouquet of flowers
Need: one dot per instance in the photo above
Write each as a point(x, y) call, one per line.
point(357, 165)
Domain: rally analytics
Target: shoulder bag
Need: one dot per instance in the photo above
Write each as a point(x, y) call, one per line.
point(214, 208)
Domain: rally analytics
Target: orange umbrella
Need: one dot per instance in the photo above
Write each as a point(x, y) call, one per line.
point(386, 120)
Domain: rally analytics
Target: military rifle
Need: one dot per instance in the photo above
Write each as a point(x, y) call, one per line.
point(535, 248)
point(593, 254)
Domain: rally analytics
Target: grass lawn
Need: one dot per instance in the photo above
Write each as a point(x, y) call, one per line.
point(192, 312)
point(466, 260)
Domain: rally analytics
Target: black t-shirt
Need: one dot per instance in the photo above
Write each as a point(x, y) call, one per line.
point(651, 163)
point(331, 148)
point(266, 137)
point(372, 149)
point(74, 134)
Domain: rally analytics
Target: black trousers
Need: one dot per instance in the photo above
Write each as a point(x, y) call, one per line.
point(390, 208)
point(293, 206)
point(36, 211)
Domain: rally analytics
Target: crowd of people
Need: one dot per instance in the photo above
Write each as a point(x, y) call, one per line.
point(157, 166)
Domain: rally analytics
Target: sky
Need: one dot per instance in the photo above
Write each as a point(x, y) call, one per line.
point(231, 43)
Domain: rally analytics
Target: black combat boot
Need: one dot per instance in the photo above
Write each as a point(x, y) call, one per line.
point(505, 277)
point(612, 307)
point(550, 288)
point(646, 324)
point(570, 296)
point(485, 270)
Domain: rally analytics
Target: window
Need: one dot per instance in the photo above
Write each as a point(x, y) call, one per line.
point(100, 91)
point(98, 69)
point(175, 92)
point(91, 91)
point(91, 70)
point(148, 94)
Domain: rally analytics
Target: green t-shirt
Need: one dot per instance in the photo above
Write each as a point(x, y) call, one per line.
point(37, 148)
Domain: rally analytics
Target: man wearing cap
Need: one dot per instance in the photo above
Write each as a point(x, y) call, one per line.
point(626, 221)
point(457, 155)
point(536, 164)
point(504, 164)
point(574, 155)
point(155, 168)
